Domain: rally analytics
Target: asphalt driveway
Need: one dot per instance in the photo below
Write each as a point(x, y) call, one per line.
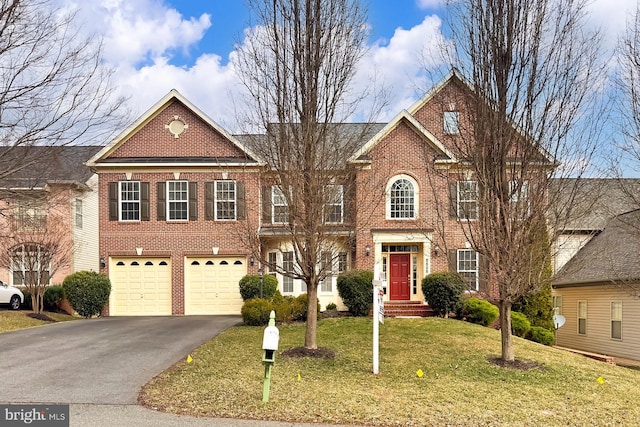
point(98, 361)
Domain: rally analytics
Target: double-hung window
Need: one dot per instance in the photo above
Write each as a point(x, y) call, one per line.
point(280, 208)
point(177, 200)
point(467, 203)
point(582, 317)
point(129, 200)
point(78, 206)
point(225, 202)
point(326, 266)
point(287, 266)
point(451, 122)
point(467, 266)
point(519, 199)
point(616, 320)
point(333, 204)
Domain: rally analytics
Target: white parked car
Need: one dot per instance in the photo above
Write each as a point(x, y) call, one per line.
point(10, 295)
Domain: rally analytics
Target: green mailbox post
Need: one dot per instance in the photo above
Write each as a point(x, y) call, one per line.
point(269, 346)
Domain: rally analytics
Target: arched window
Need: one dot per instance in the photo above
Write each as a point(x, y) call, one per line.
point(402, 198)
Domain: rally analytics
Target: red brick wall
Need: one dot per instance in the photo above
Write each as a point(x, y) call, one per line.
point(199, 140)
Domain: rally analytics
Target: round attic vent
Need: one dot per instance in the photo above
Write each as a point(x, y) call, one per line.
point(177, 126)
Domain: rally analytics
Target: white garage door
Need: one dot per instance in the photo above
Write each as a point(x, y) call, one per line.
point(140, 286)
point(211, 284)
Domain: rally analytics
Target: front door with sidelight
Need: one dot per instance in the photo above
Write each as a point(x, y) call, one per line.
point(399, 277)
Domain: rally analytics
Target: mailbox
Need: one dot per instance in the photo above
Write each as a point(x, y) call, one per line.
point(270, 346)
point(270, 338)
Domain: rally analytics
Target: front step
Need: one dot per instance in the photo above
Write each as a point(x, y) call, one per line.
point(407, 308)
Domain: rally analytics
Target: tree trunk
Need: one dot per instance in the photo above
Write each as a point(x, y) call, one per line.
point(312, 316)
point(508, 353)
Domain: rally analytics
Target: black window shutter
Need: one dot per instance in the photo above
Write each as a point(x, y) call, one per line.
point(144, 202)
point(209, 200)
point(483, 273)
point(266, 204)
point(453, 199)
point(193, 201)
point(241, 207)
point(113, 201)
point(452, 259)
point(161, 201)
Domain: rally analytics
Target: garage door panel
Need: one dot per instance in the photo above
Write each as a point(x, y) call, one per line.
point(140, 287)
point(211, 285)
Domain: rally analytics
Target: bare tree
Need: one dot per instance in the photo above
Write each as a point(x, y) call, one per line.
point(533, 72)
point(40, 243)
point(628, 85)
point(298, 66)
point(54, 87)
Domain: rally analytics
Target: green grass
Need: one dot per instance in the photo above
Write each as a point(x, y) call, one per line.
point(14, 320)
point(459, 386)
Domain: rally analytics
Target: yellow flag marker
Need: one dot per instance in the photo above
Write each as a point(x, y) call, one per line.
point(299, 377)
point(419, 373)
point(189, 359)
point(600, 380)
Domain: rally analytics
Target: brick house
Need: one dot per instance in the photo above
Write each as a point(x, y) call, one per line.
point(50, 198)
point(181, 198)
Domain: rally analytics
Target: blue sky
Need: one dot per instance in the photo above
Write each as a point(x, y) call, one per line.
point(158, 45)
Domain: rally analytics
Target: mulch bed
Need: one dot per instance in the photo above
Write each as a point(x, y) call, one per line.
point(42, 317)
point(519, 364)
point(318, 353)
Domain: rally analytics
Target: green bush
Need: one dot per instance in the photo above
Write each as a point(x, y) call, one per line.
point(87, 292)
point(520, 325)
point(331, 306)
point(479, 311)
point(27, 304)
point(52, 297)
point(541, 335)
point(442, 291)
point(250, 286)
point(538, 307)
point(256, 311)
point(355, 287)
point(283, 306)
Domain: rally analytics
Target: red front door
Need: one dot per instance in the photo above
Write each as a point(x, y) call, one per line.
point(399, 277)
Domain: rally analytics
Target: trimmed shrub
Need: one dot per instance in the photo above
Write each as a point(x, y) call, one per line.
point(479, 311)
point(256, 311)
point(283, 306)
point(541, 335)
point(87, 292)
point(27, 304)
point(250, 286)
point(442, 291)
point(331, 306)
point(52, 297)
point(537, 307)
point(520, 325)
point(355, 287)
point(300, 306)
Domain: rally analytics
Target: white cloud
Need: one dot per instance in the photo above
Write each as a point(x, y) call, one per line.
point(429, 4)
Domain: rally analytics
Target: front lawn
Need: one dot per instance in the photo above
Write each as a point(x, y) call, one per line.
point(459, 386)
point(13, 320)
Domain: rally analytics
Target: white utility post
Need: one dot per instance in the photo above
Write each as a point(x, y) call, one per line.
point(378, 315)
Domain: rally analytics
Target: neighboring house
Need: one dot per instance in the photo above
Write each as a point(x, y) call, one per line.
point(48, 197)
point(598, 292)
point(183, 204)
point(584, 207)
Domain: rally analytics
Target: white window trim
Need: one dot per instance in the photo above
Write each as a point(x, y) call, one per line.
point(515, 197)
point(120, 201)
point(615, 320)
point(341, 204)
point(275, 188)
point(586, 317)
point(168, 201)
point(416, 197)
point(458, 251)
point(235, 200)
point(283, 277)
point(459, 212)
point(557, 309)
